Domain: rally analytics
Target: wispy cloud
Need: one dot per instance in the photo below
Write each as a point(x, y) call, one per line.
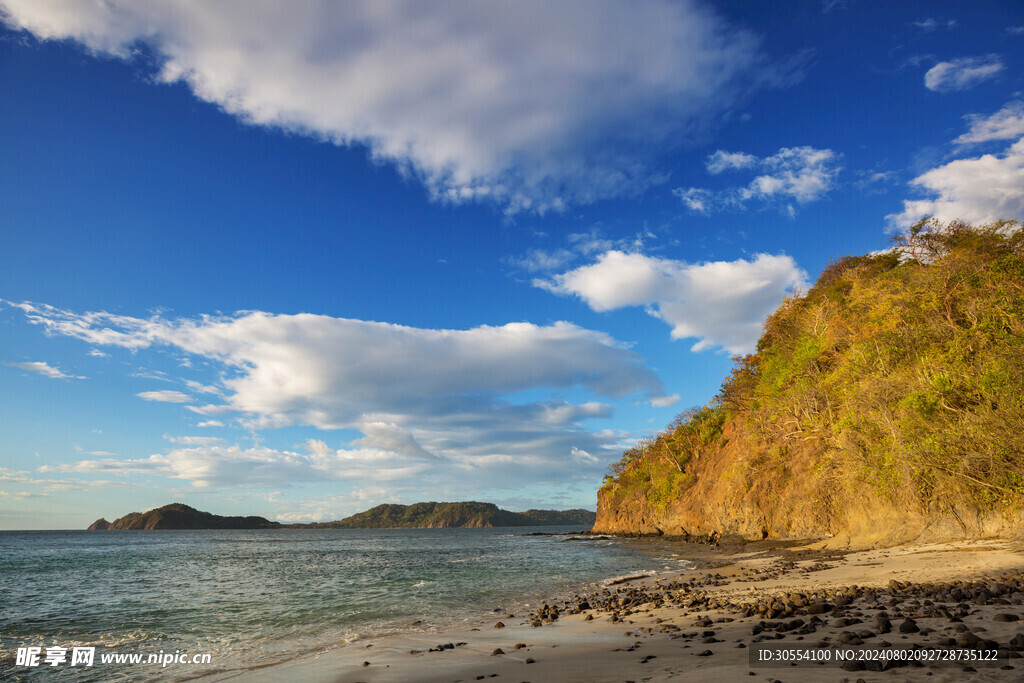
point(932, 24)
point(45, 369)
point(962, 74)
point(195, 440)
point(721, 304)
point(530, 104)
point(1005, 124)
point(800, 174)
point(165, 396)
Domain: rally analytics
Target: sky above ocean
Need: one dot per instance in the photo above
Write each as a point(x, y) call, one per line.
point(298, 259)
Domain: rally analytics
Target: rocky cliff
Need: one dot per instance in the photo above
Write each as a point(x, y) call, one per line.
point(886, 404)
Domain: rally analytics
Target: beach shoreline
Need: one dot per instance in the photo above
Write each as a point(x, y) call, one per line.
point(701, 623)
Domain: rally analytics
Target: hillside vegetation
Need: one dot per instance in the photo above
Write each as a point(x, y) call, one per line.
point(886, 403)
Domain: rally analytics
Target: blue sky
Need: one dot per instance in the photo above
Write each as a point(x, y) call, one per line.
point(300, 259)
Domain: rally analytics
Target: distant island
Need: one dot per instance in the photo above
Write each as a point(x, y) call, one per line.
point(443, 515)
point(418, 516)
point(180, 516)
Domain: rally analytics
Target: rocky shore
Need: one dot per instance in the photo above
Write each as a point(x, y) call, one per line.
point(899, 604)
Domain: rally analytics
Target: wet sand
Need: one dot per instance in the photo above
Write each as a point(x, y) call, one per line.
point(700, 625)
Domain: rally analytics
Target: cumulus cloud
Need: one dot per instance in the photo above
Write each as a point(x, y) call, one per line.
point(430, 398)
point(976, 190)
point(722, 303)
point(45, 369)
point(165, 396)
point(801, 174)
point(210, 423)
point(1005, 124)
point(530, 104)
point(327, 372)
point(962, 74)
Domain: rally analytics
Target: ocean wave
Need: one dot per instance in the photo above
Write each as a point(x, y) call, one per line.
point(641, 574)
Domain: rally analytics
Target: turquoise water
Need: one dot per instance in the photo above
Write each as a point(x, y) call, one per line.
point(253, 598)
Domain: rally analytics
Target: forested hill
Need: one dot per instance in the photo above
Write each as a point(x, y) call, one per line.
point(420, 515)
point(466, 514)
point(885, 404)
point(180, 516)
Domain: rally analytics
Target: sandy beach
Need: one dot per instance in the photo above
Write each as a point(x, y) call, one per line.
point(959, 598)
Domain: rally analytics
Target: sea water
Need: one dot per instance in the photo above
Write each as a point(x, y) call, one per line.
point(258, 597)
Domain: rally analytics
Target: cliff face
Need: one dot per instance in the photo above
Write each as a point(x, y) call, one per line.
point(179, 516)
point(793, 501)
point(885, 405)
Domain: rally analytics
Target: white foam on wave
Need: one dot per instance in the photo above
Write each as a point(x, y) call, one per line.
point(639, 574)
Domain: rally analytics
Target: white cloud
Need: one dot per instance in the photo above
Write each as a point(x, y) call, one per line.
point(21, 495)
point(730, 161)
point(96, 353)
point(165, 396)
point(233, 466)
point(722, 303)
point(540, 260)
point(201, 388)
point(210, 423)
point(962, 74)
point(210, 409)
point(801, 174)
point(978, 190)
point(194, 440)
point(581, 456)
point(665, 401)
point(435, 399)
point(55, 485)
point(390, 437)
point(45, 369)
point(874, 182)
point(931, 23)
point(327, 372)
point(580, 244)
point(697, 199)
point(1005, 124)
point(531, 104)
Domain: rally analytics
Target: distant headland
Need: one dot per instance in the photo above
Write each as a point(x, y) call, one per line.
point(417, 516)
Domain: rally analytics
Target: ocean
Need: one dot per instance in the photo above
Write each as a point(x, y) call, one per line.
point(259, 597)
